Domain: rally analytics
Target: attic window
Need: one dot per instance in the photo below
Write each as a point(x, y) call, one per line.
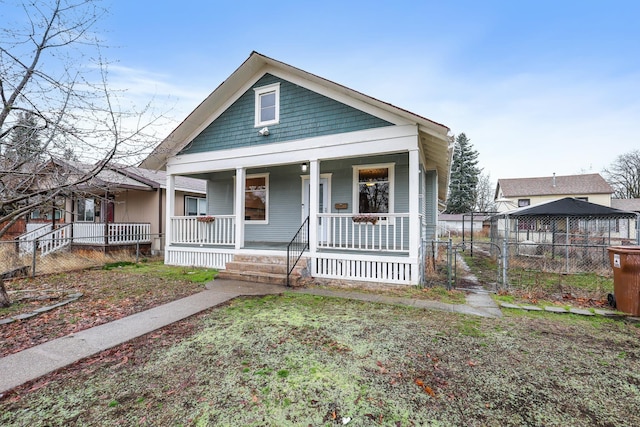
point(267, 105)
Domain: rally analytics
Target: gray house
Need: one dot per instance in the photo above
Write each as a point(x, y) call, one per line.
point(291, 157)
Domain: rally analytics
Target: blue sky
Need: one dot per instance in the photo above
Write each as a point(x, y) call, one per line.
point(538, 86)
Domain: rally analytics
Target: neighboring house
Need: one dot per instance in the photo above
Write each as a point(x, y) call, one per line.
point(118, 205)
point(281, 148)
point(459, 223)
point(631, 205)
point(520, 192)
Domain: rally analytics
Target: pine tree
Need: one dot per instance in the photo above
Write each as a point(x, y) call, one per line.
point(25, 144)
point(464, 177)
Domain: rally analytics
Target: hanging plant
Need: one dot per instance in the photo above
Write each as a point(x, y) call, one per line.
point(206, 218)
point(365, 219)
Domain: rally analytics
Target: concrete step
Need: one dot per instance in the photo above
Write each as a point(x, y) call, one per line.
point(258, 277)
point(266, 259)
point(262, 269)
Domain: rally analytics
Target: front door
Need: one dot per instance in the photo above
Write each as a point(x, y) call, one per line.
point(323, 195)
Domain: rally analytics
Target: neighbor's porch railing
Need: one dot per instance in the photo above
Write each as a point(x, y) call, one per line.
point(368, 232)
point(93, 233)
point(203, 230)
point(34, 231)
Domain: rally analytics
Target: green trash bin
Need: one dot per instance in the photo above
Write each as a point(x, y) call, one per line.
point(625, 261)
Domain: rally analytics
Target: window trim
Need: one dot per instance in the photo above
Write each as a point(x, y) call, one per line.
point(84, 213)
point(263, 90)
point(356, 185)
point(199, 199)
point(266, 202)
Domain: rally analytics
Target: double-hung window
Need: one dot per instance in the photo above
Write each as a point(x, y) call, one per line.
point(373, 188)
point(267, 109)
point(195, 206)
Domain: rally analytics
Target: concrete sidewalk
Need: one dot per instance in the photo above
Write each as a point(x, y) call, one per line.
point(34, 362)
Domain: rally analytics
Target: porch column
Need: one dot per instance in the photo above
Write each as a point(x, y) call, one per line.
point(414, 211)
point(239, 206)
point(171, 211)
point(314, 185)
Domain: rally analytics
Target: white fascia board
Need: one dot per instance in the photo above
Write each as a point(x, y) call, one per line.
point(385, 140)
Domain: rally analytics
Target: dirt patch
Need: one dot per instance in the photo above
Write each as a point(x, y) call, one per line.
point(107, 295)
point(309, 360)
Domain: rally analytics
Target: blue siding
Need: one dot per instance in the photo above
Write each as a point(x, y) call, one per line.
point(342, 179)
point(303, 114)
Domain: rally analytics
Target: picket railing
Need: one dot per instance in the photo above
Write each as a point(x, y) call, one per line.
point(93, 233)
point(364, 232)
point(203, 230)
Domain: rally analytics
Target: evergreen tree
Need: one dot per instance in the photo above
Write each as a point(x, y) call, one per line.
point(464, 177)
point(25, 144)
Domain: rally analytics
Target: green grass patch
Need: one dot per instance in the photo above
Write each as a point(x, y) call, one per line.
point(159, 269)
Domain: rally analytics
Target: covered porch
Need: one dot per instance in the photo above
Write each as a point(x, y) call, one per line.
point(367, 205)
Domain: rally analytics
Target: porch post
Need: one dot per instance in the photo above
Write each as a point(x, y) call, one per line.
point(171, 202)
point(314, 185)
point(239, 206)
point(414, 212)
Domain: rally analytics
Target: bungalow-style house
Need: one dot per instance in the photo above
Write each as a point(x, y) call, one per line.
point(294, 160)
point(118, 206)
point(520, 192)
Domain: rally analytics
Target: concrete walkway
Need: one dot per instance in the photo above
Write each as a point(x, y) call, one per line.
point(34, 362)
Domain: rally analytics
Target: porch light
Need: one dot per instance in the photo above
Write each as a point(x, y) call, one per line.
point(303, 167)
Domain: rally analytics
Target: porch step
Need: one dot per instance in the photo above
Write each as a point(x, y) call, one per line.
point(262, 269)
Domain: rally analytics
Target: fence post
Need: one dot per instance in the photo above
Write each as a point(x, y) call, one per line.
point(449, 263)
point(137, 248)
point(33, 260)
point(505, 257)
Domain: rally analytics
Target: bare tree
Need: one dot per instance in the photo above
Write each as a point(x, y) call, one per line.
point(624, 175)
point(485, 192)
point(56, 101)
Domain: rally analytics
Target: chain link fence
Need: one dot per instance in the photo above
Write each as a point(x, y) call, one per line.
point(55, 254)
point(552, 248)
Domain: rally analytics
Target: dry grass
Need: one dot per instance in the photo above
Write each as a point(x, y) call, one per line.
point(308, 360)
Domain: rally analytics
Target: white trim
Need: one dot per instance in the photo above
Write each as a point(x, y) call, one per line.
point(266, 203)
point(198, 200)
point(356, 184)
point(259, 91)
point(386, 140)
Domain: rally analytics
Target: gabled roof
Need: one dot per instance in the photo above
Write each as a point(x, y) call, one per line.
point(567, 206)
point(129, 177)
point(632, 205)
point(553, 185)
point(434, 137)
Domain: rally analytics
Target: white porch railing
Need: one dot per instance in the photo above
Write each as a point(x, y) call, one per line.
point(55, 240)
point(93, 233)
point(203, 230)
point(26, 239)
point(366, 232)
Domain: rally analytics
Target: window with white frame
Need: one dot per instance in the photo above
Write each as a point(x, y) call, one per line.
point(85, 210)
point(256, 198)
point(523, 202)
point(195, 206)
point(373, 188)
point(267, 109)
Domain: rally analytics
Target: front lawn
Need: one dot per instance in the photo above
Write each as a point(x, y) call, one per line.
point(309, 360)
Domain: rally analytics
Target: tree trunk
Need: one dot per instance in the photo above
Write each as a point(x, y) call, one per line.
point(4, 297)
